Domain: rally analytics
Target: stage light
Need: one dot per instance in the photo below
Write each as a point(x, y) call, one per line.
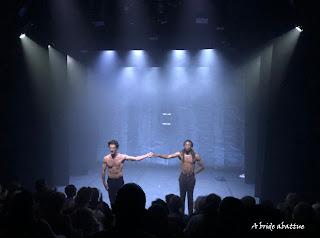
point(109, 52)
point(298, 28)
point(49, 46)
point(137, 53)
point(108, 56)
point(137, 58)
point(69, 59)
point(207, 57)
point(207, 51)
point(166, 123)
point(107, 61)
point(22, 36)
point(179, 53)
point(179, 58)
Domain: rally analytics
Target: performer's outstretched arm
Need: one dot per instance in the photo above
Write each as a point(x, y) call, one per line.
point(104, 168)
point(200, 164)
point(141, 157)
point(169, 156)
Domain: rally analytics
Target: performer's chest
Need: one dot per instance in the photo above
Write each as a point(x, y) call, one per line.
point(114, 162)
point(188, 159)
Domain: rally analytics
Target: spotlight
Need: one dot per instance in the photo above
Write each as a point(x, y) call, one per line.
point(22, 36)
point(179, 58)
point(207, 57)
point(49, 46)
point(298, 28)
point(137, 58)
point(109, 52)
point(137, 53)
point(166, 123)
point(69, 59)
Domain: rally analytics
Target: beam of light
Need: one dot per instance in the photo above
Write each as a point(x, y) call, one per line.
point(151, 94)
point(283, 49)
point(178, 78)
point(107, 61)
point(128, 82)
point(69, 59)
point(179, 58)
point(37, 65)
point(207, 57)
point(298, 28)
point(58, 66)
point(150, 81)
point(108, 53)
point(137, 53)
point(36, 58)
point(206, 77)
point(108, 57)
point(76, 72)
point(137, 58)
point(127, 78)
point(22, 36)
point(128, 73)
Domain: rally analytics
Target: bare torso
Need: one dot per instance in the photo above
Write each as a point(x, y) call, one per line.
point(187, 164)
point(114, 165)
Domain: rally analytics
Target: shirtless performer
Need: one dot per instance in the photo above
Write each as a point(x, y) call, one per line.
point(187, 178)
point(114, 162)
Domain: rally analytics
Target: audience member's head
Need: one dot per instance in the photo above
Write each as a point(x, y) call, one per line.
point(70, 190)
point(83, 197)
point(84, 220)
point(108, 215)
point(303, 213)
point(199, 204)
point(168, 197)
point(157, 220)
point(231, 209)
point(95, 195)
point(157, 211)
point(3, 192)
point(14, 186)
point(41, 185)
point(292, 199)
point(161, 203)
point(248, 201)
point(316, 206)
point(129, 207)
point(212, 203)
point(56, 201)
point(175, 205)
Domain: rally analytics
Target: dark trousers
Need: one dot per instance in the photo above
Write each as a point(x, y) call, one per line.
point(186, 185)
point(114, 185)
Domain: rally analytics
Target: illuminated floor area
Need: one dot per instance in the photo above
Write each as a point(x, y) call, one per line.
point(161, 180)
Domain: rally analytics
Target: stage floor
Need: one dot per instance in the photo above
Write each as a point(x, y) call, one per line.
point(157, 181)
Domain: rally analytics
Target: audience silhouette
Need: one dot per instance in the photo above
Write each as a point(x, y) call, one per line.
point(84, 214)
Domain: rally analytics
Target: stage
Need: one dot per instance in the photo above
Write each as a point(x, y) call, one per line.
point(159, 180)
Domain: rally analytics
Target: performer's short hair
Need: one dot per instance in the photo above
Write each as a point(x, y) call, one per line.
point(113, 142)
point(188, 140)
